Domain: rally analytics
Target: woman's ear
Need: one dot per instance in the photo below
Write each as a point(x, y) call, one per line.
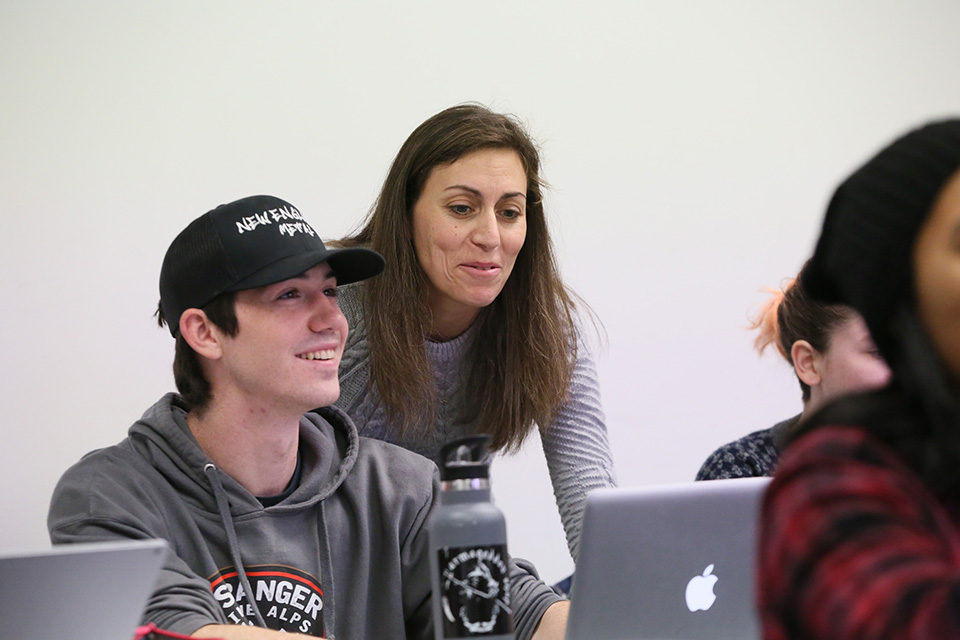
point(806, 362)
point(201, 334)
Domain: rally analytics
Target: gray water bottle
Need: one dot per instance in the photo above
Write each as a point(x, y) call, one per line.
point(468, 548)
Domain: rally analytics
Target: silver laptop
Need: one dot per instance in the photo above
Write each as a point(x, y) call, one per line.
point(91, 590)
point(672, 562)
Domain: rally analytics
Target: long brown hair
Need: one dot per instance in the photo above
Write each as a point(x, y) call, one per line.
point(521, 360)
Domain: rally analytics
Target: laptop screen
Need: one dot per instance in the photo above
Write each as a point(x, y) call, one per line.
point(672, 561)
point(91, 590)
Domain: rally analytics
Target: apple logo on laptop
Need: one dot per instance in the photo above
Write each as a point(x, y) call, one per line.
point(700, 595)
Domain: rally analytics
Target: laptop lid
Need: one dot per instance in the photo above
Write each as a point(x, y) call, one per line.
point(90, 590)
point(668, 562)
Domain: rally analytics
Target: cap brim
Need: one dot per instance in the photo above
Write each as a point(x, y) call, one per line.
point(349, 265)
point(355, 264)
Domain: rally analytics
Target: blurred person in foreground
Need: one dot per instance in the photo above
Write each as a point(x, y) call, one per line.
point(860, 530)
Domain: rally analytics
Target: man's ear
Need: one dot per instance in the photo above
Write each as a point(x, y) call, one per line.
point(201, 334)
point(806, 362)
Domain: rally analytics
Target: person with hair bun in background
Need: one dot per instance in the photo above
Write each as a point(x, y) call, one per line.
point(831, 352)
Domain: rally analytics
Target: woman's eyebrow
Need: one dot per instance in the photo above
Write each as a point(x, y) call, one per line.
point(464, 187)
point(476, 192)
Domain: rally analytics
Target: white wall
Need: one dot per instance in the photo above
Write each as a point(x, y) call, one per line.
point(691, 147)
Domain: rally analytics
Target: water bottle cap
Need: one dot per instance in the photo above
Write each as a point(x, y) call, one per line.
point(465, 458)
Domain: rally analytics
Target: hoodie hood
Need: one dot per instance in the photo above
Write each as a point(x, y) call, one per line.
point(328, 450)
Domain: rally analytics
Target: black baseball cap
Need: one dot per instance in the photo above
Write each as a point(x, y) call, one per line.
point(249, 243)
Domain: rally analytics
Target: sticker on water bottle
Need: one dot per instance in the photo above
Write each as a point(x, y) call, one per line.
point(476, 591)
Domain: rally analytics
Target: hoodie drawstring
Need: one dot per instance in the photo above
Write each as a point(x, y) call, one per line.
point(223, 505)
point(326, 570)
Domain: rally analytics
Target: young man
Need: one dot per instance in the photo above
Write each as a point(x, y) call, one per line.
point(278, 519)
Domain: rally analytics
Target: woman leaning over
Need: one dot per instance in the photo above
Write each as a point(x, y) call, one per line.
point(860, 534)
point(470, 329)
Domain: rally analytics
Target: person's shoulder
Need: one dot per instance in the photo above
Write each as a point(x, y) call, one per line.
point(843, 468)
point(752, 455)
point(760, 438)
point(836, 442)
point(131, 465)
point(395, 459)
point(402, 484)
point(851, 428)
point(844, 459)
point(375, 457)
point(101, 465)
point(101, 480)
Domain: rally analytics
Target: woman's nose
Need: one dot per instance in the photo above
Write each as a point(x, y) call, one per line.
point(486, 231)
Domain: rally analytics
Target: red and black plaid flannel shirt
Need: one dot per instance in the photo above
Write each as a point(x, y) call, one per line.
point(853, 545)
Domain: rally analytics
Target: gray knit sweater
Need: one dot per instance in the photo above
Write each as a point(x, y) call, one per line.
point(575, 445)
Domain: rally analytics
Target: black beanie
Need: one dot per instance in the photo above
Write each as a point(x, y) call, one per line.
point(864, 258)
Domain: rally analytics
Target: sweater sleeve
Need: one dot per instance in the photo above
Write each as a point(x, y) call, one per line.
point(854, 546)
point(576, 447)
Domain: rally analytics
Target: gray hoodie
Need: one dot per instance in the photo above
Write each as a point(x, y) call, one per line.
point(344, 555)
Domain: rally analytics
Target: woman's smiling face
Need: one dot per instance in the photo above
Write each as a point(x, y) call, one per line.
point(469, 224)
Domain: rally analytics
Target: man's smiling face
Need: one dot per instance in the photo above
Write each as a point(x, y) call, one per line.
point(287, 351)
